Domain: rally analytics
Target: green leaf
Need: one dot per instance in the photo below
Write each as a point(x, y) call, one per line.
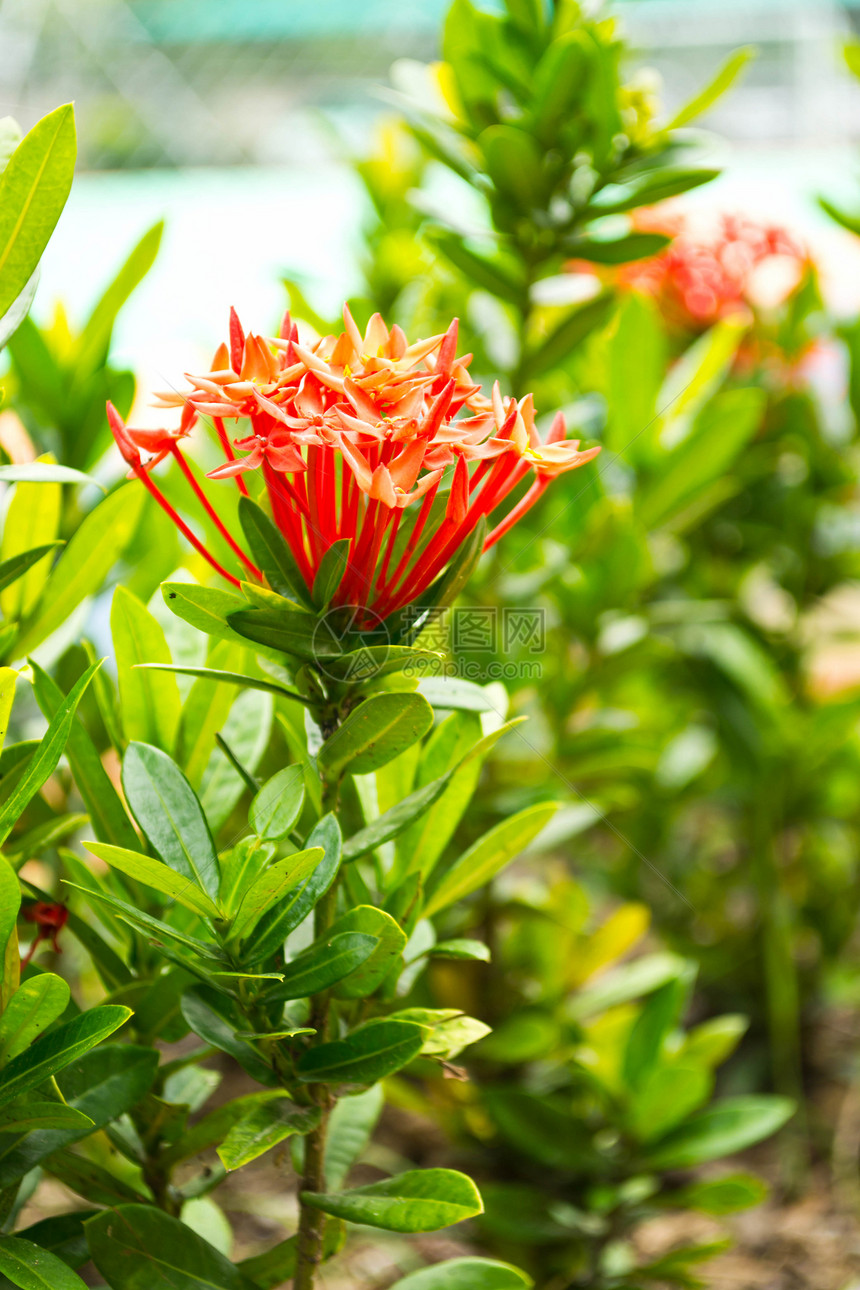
point(84, 564)
point(47, 756)
point(726, 1195)
point(421, 1200)
point(390, 938)
point(32, 519)
point(278, 805)
point(95, 337)
point(10, 903)
point(330, 573)
point(157, 930)
point(272, 886)
point(396, 819)
point(466, 1274)
point(724, 79)
point(666, 1096)
point(272, 554)
point(460, 949)
point(368, 1054)
point(206, 608)
point(155, 874)
point(104, 806)
point(263, 1127)
point(229, 678)
point(35, 1117)
point(722, 430)
point(166, 808)
point(488, 855)
point(554, 350)
point(350, 1127)
point(376, 732)
point(489, 275)
point(323, 965)
point(33, 191)
point(91, 1181)
point(34, 1006)
point(206, 1013)
point(100, 1086)
point(620, 985)
point(621, 250)
point(52, 1052)
point(275, 926)
point(654, 188)
point(150, 701)
point(17, 565)
point(454, 694)
point(45, 472)
point(63, 1235)
point(728, 1126)
point(139, 1247)
point(32, 1268)
point(8, 679)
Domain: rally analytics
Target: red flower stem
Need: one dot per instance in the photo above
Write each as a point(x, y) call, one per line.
point(211, 512)
point(229, 453)
point(182, 526)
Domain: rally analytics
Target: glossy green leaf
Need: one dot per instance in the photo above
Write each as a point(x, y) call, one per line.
point(10, 903)
point(396, 819)
point(620, 250)
point(454, 694)
point(289, 631)
point(107, 813)
point(349, 1131)
point(229, 678)
point(31, 1268)
point(34, 1006)
point(421, 1200)
point(139, 1247)
point(658, 187)
point(45, 472)
point(390, 938)
point(167, 809)
point(466, 1274)
point(46, 757)
point(556, 348)
point(32, 519)
point(34, 1117)
point(101, 1085)
point(375, 732)
point(368, 1054)
point(724, 79)
point(159, 932)
point(728, 1126)
point(8, 680)
point(278, 805)
point(330, 573)
point(63, 1235)
point(17, 565)
point(487, 274)
point(207, 1014)
point(461, 949)
point(206, 608)
point(621, 984)
point(263, 1127)
point(323, 965)
point(96, 333)
point(272, 886)
point(155, 874)
point(666, 1096)
point(33, 191)
point(85, 562)
point(52, 1052)
point(275, 926)
point(486, 857)
point(271, 553)
point(149, 700)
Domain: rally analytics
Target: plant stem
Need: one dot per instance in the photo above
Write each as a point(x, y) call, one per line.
point(312, 1221)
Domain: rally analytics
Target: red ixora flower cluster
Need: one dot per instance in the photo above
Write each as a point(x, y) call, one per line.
point(350, 432)
point(703, 277)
